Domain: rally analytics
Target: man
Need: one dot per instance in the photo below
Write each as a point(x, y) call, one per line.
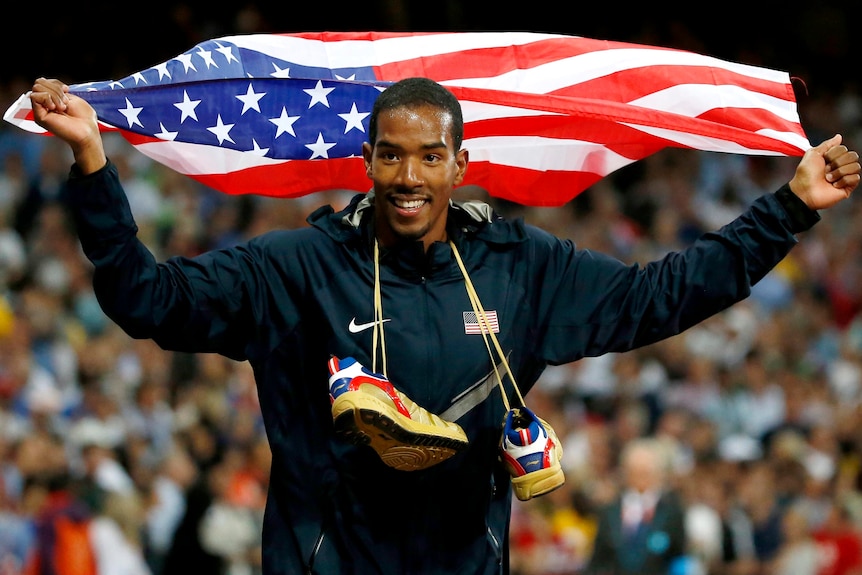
point(643, 529)
point(379, 284)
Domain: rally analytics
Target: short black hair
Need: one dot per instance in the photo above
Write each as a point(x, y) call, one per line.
point(412, 92)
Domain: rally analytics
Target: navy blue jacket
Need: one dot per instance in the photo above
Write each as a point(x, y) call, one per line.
point(284, 301)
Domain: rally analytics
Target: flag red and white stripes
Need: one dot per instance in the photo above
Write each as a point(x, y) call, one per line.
point(474, 323)
point(546, 115)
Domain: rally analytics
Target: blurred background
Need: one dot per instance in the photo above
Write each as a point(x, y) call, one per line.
point(758, 409)
point(811, 40)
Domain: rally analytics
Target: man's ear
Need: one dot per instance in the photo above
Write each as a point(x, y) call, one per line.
point(367, 150)
point(462, 158)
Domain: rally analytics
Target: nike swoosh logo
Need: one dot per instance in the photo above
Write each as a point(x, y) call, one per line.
point(357, 327)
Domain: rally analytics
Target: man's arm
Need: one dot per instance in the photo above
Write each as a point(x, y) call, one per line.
point(609, 306)
point(182, 304)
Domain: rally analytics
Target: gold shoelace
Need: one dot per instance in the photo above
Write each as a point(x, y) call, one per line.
point(378, 334)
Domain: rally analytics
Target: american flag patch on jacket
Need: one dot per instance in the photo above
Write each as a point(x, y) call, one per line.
point(473, 324)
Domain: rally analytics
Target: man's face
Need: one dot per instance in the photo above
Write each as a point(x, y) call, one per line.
point(414, 167)
point(643, 471)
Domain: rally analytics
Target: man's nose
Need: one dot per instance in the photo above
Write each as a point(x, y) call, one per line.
point(410, 173)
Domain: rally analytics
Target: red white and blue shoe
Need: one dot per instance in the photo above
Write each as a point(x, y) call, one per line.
point(368, 410)
point(531, 453)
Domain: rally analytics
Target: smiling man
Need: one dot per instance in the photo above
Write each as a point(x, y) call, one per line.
point(407, 322)
point(415, 162)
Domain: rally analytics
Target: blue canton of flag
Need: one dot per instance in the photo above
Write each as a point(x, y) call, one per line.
point(281, 119)
point(321, 113)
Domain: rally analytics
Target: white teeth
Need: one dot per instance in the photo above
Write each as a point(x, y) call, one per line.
point(409, 204)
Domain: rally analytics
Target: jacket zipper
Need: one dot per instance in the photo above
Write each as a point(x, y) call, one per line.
point(495, 545)
point(314, 551)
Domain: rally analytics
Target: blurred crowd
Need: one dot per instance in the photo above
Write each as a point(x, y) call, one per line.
point(163, 455)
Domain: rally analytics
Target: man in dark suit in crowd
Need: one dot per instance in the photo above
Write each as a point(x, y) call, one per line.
point(642, 531)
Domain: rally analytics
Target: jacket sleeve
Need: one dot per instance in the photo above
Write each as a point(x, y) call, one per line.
point(185, 304)
point(591, 304)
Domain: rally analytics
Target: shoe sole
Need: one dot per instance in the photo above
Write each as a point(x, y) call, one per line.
point(400, 442)
point(538, 483)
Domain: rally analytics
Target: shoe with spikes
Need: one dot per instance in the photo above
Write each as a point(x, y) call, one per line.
point(368, 410)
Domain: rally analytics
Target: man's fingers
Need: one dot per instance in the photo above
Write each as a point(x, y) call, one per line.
point(827, 145)
point(844, 172)
point(845, 163)
point(835, 153)
point(50, 100)
point(841, 171)
point(847, 183)
point(51, 94)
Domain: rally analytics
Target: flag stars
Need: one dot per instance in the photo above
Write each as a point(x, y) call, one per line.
point(319, 94)
point(227, 52)
point(163, 70)
point(222, 131)
point(284, 123)
point(186, 60)
point(280, 72)
point(207, 57)
point(250, 100)
point(354, 119)
point(165, 135)
point(139, 77)
point(320, 148)
point(187, 107)
point(257, 150)
point(131, 114)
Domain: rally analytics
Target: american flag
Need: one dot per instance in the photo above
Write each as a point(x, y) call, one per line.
point(474, 324)
point(546, 115)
